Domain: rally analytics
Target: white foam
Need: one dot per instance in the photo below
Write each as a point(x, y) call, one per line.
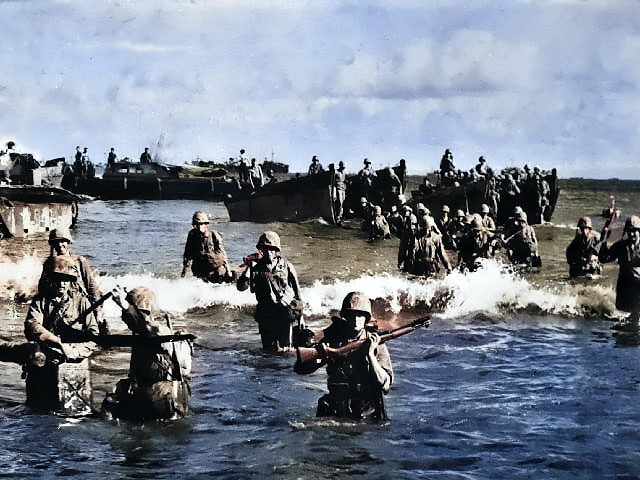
point(491, 289)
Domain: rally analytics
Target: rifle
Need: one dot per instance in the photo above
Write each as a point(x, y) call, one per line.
point(124, 340)
point(309, 359)
point(605, 233)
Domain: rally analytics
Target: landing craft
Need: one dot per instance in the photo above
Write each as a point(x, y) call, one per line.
point(31, 200)
point(310, 196)
point(153, 181)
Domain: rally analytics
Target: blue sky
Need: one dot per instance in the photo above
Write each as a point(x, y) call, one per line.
point(553, 83)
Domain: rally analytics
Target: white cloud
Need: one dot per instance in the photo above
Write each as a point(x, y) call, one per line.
point(555, 80)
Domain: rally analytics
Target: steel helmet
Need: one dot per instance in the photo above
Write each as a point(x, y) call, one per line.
point(632, 223)
point(420, 207)
point(378, 210)
point(476, 224)
point(59, 234)
point(356, 302)
point(62, 265)
point(459, 213)
point(585, 222)
point(269, 240)
point(428, 222)
point(142, 298)
point(200, 217)
point(484, 208)
point(445, 208)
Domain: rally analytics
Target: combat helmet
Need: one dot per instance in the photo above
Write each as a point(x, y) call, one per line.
point(269, 240)
point(484, 208)
point(476, 224)
point(356, 302)
point(199, 217)
point(632, 223)
point(142, 298)
point(61, 265)
point(59, 234)
point(585, 222)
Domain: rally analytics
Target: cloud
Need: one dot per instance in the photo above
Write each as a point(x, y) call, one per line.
point(552, 81)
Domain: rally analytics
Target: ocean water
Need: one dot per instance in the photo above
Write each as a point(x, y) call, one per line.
point(518, 376)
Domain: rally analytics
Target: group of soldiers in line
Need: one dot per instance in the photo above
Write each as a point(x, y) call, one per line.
point(65, 325)
point(589, 249)
point(503, 189)
point(63, 317)
point(426, 242)
point(357, 381)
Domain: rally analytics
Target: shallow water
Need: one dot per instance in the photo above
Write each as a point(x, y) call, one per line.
point(517, 377)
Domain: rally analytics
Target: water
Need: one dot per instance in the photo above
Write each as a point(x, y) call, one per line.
point(517, 377)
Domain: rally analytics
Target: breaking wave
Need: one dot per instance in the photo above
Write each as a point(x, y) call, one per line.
point(492, 290)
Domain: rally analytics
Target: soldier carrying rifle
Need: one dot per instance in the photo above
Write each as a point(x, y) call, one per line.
point(359, 370)
point(357, 380)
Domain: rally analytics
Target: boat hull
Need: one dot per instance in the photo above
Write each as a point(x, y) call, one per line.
point(31, 210)
point(150, 182)
point(131, 188)
point(293, 200)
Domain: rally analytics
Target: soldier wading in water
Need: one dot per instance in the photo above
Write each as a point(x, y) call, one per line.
point(627, 252)
point(358, 380)
point(274, 281)
point(205, 253)
point(158, 383)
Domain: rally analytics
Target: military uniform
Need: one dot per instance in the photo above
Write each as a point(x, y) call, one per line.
point(275, 285)
point(354, 379)
point(204, 251)
point(582, 252)
point(627, 252)
point(158, 384)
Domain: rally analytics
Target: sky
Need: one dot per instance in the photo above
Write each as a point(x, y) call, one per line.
point(548, 83)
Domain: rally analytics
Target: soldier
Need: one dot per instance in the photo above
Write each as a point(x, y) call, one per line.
point(582, 252)
point(542, 191)
point(444, 226)
point(204, 252)
point(158, 382)
point(627, 252)
point(315, 167)
point(406, 249)
point(243, 167)
point(481, 167)
point(395, 221)
point(357, 381)
point(429, 253)
point(111, 158)
point(274, 282)
point(339, 190)
point(379, 225)
point(522, 246)
point(487, 221)
point(447, 168)
point(58, 320)
point(366, 176)
point(457, 228)
point(256, 177)
point(473, 245)
point(59, 243)
point(145, 157)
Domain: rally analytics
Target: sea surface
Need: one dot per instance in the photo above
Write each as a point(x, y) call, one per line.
point(518, 376)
